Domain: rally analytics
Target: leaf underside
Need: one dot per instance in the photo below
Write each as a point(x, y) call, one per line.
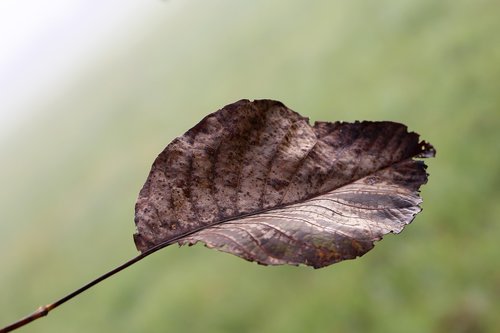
point(256, 180)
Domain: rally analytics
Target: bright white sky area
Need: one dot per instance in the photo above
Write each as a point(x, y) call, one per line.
point(43, 44)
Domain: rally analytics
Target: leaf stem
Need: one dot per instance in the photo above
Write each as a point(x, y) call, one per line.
point(44, 310)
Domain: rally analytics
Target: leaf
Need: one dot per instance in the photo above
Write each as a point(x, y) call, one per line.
point(256, 180)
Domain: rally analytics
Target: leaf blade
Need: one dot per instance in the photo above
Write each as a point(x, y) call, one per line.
point(252, 159)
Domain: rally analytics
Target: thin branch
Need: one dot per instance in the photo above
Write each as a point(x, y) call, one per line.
point(44, 310)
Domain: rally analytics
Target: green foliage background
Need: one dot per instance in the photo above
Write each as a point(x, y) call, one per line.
point(70, 176)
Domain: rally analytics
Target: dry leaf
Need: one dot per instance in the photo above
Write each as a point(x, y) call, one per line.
point(256, 180)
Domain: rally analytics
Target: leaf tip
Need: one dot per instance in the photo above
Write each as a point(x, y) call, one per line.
point(427, 150)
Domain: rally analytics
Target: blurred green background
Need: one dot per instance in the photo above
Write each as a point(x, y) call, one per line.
point(71, 172)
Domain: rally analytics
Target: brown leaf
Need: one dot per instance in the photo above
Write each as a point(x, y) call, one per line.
point(256, 180)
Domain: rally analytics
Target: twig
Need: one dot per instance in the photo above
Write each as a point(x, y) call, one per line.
point(44, 310)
